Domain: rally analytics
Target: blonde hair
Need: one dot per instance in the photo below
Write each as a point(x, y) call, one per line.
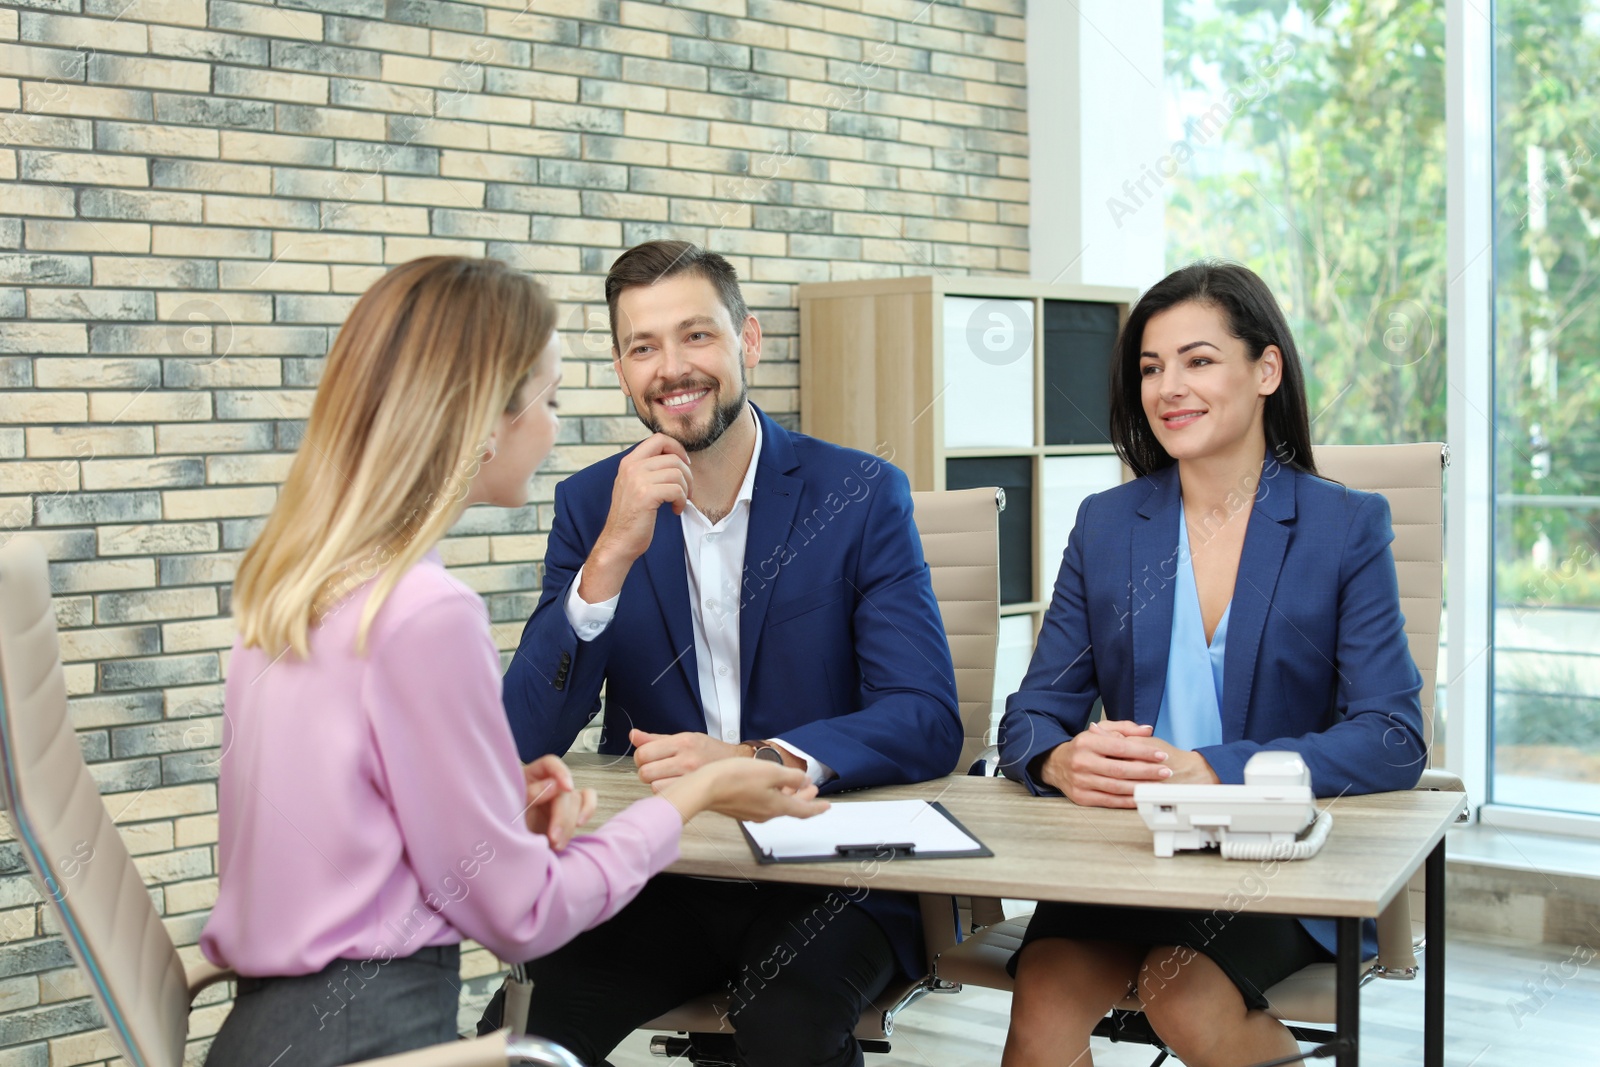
point(430, 356)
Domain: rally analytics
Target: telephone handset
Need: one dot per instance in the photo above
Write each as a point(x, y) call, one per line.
point(1273, 815)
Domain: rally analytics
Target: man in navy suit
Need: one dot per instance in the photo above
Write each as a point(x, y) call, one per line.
point(741, 592)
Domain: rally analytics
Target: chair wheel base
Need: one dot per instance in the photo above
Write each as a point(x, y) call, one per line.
point(718, 1050)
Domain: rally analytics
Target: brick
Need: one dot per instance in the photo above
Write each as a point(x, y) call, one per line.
point(436, 132)
point(127, 271)
point(207, 111)
point(157, 672)
point(330, 122)
point(222, 373)
point(74, 168)
point(486, 107)
point(49, 64)
point(217, 241)
point(377, 218)
point(195, 830)
point(266, 21)
point(150, 140)
point(104, 642)
point(163, 803)
point(139, 204)
point(209, 177)
point(143, 473)
point(533, 85)
point(59, 373)
point(436, 13)
point(33, 407)
point(273, 276)
point(149, 74)
point(49, 200)
point(198, 895)
point(528, 26)
point(432, 73)
point(24, 269)
point(205, 45)
point(452, 192)
point(326, 59)
point(625, 206)
point(143, 539)
point(178, 504)
point(90, 509)
point(270, 85)
point(58, 98)
point(385, 158)
point(407, 99)
point(82, 442)
point(204, 438)
point(403, 249)
point(59, 476)
point(378, 36)
point(44, 131)
point(155, 605)
point(37, 1024)
point(221, 210)
point(95, 304)
point(98, 576)
point(474, 49)
point(112, 35)
point(213, 569)
point(52, 236)
point(195, 636)
point(149, 407)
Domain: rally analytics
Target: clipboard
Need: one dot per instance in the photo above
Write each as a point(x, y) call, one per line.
point(893, 840)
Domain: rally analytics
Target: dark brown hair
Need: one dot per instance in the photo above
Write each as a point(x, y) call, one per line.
point(1252, 315)
point(653, 261)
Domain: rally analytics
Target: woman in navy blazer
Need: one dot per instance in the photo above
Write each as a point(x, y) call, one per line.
point(1225, 601)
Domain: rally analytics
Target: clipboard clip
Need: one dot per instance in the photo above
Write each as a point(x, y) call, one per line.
point(896, 848)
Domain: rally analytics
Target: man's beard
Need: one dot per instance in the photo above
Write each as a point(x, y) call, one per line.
point(723, 415)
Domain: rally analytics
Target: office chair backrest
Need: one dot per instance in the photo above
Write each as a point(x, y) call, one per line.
point(960, 531)
point(67, 837)
point(1411, 477)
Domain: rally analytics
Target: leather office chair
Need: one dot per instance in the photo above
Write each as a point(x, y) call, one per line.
point(1411, 476)
point(960, 541)
point(88, 879)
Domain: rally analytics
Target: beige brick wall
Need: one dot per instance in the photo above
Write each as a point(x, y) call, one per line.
point(192, 194)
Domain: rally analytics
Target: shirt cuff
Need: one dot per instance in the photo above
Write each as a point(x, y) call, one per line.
point(588, 620)
point(816, 770)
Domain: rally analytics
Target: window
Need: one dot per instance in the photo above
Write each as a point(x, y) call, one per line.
point(1546, 668)
point(1308, 142)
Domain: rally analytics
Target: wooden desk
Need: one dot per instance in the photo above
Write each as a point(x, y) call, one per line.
point(1055, 850)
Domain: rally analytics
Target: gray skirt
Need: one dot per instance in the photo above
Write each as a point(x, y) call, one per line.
point(349, 1011)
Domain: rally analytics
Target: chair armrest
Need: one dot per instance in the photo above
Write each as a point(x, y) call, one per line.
point(205, 973)
point(987, 911)
point(1397, 956)
point(987, 765)
point(1436, 778)
point(941, 920)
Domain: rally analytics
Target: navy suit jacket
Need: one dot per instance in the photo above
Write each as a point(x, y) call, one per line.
point(1316, 661)
point(841, 650)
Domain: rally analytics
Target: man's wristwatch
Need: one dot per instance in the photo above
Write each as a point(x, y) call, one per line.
point(766, 750)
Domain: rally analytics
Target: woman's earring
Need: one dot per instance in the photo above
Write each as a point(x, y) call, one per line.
point(488, 450)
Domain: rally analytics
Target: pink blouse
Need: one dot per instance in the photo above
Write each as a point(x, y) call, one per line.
point(372, 805)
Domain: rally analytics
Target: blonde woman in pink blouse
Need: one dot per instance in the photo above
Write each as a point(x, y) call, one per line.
point(373, 812)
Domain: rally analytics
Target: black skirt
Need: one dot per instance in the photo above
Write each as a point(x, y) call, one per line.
point(1256, 952)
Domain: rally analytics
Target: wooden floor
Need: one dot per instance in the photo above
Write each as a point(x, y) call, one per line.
point(1494, 1017)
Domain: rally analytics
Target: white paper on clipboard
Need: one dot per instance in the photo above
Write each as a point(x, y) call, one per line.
point(868, 823)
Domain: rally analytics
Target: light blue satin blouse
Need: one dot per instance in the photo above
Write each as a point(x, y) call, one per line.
point(1191, 702)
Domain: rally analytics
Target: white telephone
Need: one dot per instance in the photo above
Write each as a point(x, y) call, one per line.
point(1272, 816)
